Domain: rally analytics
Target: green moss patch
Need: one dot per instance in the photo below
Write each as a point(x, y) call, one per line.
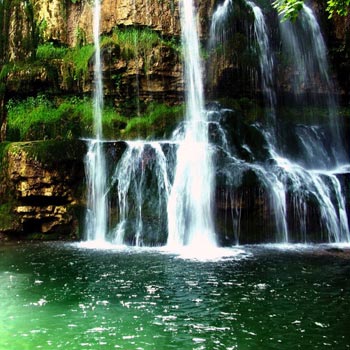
point(158, 121)
point(3, 152)
point(136, 42)
point(50, 151)
point(8, 218)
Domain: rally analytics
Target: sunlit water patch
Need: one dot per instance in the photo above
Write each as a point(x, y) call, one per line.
point(201, 253)
point(59, 296)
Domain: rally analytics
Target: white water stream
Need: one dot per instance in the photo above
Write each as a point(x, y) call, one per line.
point(190, 216)
point(97, 204)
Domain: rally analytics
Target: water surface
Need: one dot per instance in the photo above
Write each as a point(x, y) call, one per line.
point(60, 296)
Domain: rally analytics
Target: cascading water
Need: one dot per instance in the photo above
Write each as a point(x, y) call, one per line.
point(189, 202)
point(266, 61)
point(322, 148)
point(190, 218)
point(270, 180)
point(142, 184)
point(97, 206)
point(217, 28)
point(289, 184)
point(163, 192)
point(306, 48)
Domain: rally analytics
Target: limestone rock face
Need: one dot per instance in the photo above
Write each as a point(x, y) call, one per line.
point(62, 21)
point(51, 16)
point(44, 186)
point(32, 179)
point(68, 25)
point(155, 77)
point(19, 32)
point(65, 20)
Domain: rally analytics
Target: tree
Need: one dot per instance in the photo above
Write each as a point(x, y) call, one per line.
point(289, 9)
point(341, 7)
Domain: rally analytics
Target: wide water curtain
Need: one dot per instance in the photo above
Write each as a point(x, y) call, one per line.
point(296, 154)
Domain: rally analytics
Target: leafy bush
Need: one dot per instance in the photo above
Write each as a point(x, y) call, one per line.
point(25, 114)
point(132, 41)
point(341, 7)
point(48, 52)
point(76, 61)
point(289, 9)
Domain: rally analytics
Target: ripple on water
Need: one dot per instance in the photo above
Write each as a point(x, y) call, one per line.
point(256, 298)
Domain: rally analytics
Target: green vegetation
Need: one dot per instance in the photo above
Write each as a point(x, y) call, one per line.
point(49, 51)
point(19, 71)
point(131, 42)
point(341, 7)
point(7, 217)
point(3, 159)
point(158, 121)
point(76, 62)
point(38, 118)
point(134, 43)
point(50, 152)
point(289, 9)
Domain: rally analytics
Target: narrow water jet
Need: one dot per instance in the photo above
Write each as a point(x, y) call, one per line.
point(95, 163)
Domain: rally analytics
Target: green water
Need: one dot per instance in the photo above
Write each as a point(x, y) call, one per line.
point(59, 296)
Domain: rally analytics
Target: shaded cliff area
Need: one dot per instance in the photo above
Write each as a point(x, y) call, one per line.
point(46, 72)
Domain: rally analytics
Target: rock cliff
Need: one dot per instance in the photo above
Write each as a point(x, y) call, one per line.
point(46, 48)
point(41, 186)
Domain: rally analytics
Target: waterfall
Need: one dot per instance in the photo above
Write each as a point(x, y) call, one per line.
point(95, 164)
point(164, 191)
point(217, 28)
point(290, 185)
point(324, 187)
point(304, 44)
point(219, 34)
point(142, 186)
point(266, 61)
point(190, 218)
